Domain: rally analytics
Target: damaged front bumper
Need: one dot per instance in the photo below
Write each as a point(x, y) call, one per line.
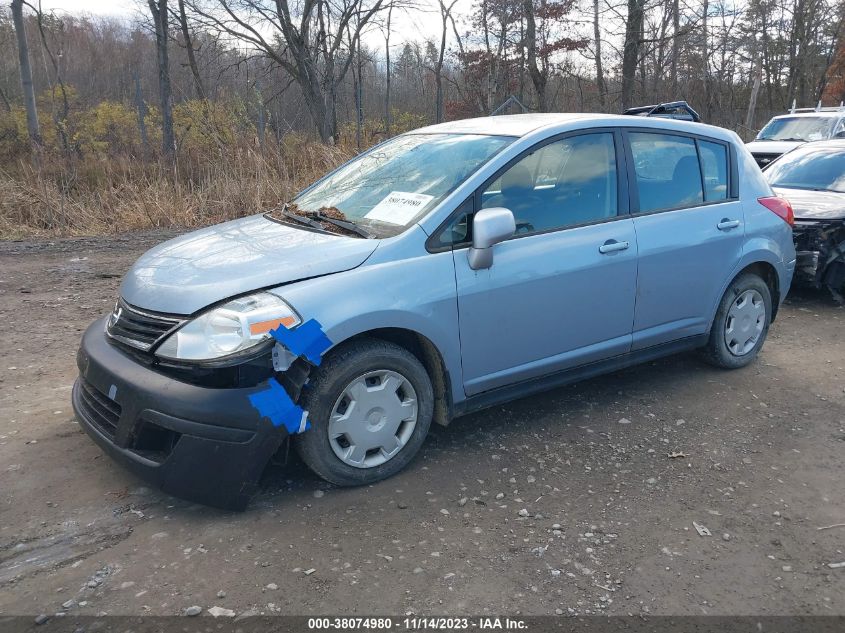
point(820, 253)
point(203, 444)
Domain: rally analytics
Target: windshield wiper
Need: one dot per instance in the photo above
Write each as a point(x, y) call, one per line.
point(315, 220)
point(300, 219)
point(344, 224)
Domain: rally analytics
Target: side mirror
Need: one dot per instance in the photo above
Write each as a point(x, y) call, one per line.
point(839, 134)
point(489, 227)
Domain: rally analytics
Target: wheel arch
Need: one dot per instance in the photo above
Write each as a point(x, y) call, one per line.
point(427, 353)
point(767, 272)
point(764, 265)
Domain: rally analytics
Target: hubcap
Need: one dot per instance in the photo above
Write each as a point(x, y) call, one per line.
point(745, 322)
point(373, 418)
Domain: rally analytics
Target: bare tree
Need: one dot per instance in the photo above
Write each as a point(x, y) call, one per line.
point(26, 74)
point(312, 38)
point(189, 49)
point(537, 77)
point(601, 86)
point(62, 112)
point(445, 14)
point(705, 57)
point(755, 89)
point(158, 9)
point(676, 47)
point(141, 109)
point(631, 49)
point(387, 70)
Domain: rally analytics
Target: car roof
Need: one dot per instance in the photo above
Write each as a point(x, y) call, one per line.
point(505, 124)
point(815, 114)
point(524, 124)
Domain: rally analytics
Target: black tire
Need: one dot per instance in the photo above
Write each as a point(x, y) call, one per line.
point(716, 352)
point(326, 384)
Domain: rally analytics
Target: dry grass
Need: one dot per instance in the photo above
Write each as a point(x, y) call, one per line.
point(63, 196)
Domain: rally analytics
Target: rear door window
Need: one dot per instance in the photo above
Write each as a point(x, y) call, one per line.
point(667, 171)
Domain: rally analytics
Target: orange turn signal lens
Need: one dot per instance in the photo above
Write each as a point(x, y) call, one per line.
point(263, 327)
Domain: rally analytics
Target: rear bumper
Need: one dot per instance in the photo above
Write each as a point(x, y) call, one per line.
point(789, 277)
point(201, 444)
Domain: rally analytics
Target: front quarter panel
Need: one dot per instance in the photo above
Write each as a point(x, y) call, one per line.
point(397, 289)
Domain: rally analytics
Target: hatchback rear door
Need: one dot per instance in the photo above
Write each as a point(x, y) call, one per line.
point(690, 231)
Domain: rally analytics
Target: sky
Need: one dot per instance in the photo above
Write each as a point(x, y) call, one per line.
point(418, 25)
point(119, 8)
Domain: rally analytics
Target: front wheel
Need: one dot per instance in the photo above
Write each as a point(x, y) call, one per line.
point(741, 323)
point(370, 404)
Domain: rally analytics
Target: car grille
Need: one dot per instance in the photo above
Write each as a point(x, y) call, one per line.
point(764, 159)
point(100, 410)
point(138, 329)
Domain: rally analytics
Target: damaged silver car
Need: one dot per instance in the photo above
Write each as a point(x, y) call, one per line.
point(812, 178)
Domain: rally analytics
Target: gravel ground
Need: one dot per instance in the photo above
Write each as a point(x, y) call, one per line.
point(582, 500)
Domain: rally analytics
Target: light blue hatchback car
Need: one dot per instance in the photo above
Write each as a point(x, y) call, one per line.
point(445, 270)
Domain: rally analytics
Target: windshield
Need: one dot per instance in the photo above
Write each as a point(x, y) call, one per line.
point(797, 128)
point(395, 183)
point(809, 168)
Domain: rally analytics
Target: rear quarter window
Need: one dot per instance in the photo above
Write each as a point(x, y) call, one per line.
point(714, 167)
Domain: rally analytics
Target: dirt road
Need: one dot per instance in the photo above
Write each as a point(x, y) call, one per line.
point(609, 525)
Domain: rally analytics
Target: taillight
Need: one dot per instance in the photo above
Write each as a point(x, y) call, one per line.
point(780, 207)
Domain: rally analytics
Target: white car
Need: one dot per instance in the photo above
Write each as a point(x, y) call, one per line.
point(787, 131)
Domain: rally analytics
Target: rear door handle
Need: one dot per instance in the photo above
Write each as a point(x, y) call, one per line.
point(727, 224)
point(611, 246)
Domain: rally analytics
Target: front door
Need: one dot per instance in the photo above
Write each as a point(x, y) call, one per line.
point(561, 292)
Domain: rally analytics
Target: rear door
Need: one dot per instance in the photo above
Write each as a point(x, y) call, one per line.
point(690, 231)
point(560, 293)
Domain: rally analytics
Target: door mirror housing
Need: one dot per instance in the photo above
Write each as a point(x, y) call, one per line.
point(489, 227)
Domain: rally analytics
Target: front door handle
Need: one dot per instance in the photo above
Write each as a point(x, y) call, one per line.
point(611, 246)
point(727, 224)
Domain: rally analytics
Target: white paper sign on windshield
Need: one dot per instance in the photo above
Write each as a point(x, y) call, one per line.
point(399, 207)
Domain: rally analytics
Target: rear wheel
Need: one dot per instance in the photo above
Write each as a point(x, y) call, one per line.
point(370, 405)
point(741, 324)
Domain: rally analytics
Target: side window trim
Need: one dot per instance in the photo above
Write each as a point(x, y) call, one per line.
point(733, 182)
point(701, 169)
point(731, 173)
point(622, 187)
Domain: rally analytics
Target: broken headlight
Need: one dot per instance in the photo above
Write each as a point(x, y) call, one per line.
point(229, 329)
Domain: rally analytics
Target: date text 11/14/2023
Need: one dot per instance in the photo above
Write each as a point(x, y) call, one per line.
point(417, 623)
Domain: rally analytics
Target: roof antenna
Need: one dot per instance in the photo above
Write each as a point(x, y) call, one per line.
point(792, 111)
point(819, 106)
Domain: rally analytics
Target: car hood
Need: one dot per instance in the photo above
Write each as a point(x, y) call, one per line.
point(190, 272)
point(772, 147)
point(814, 205)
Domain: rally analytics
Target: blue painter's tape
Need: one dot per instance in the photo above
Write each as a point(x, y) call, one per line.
point(275, 404)
point(307, 340)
